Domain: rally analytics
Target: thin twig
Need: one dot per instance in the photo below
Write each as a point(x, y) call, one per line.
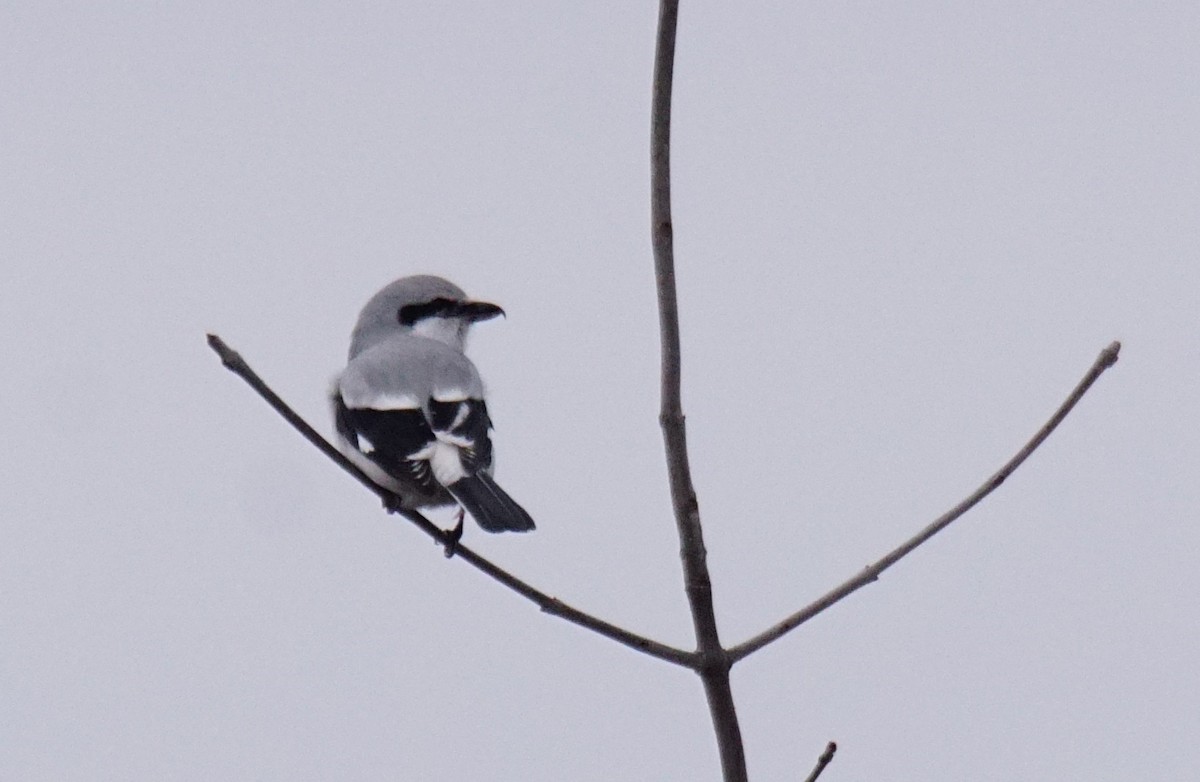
point(1106, 359)
point(550, 605)
point(714, 664)
point(823, 761)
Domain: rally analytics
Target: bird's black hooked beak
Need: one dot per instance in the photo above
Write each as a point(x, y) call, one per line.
point(476, 311)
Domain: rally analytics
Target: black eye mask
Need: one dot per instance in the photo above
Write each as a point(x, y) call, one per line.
point(409, 314)
point(439, 307)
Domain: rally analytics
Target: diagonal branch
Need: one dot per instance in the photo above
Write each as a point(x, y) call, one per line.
point(1106, 359)
point(550, 605)
point(713, 663)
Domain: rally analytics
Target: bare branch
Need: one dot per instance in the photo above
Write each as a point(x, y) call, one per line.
point(714, 664)
point(551, 605)
point(1106, 359)
point(823, 761)
point(234, 362)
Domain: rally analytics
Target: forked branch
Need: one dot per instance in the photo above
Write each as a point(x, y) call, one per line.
point(710, 660)
point(1106, 359)
point(550, 605)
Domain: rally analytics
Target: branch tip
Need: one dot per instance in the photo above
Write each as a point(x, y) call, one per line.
point(1109, 355)
point(229, 357)
point(823, 761)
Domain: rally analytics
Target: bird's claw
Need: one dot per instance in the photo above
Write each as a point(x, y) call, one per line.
point(451, 537)
point(392, 503)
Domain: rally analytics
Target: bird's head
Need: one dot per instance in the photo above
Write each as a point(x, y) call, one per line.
point(422, 304)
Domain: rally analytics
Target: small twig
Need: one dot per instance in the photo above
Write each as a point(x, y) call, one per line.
point(1106, 359)
point(822, 762)
point(551, 605)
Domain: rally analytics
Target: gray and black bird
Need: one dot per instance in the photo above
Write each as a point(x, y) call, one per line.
point(409, 407)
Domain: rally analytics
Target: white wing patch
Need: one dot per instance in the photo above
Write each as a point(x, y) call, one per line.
point(443, 458)
point(460, 416)
point(455, 440)
point(450, 395)
point(395, 402)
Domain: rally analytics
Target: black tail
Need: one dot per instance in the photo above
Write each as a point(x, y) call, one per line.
point(490, 505)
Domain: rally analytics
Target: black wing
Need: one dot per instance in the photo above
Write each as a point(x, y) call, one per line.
point(390, 438)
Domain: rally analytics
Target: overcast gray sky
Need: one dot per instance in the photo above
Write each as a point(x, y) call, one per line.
point(904, 231)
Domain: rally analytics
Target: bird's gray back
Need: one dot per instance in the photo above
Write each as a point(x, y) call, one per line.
point(407, 371)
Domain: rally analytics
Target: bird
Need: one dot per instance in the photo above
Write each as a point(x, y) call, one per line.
point(409, 407)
